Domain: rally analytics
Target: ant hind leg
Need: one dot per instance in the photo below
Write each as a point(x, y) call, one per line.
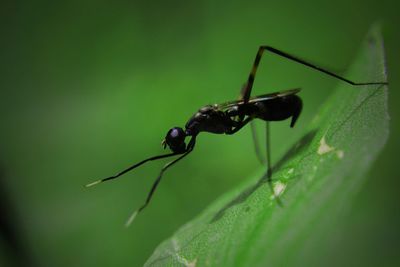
point(257, 150)
point(269, 168)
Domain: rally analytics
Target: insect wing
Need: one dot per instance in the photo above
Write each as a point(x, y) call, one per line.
point(259, 98)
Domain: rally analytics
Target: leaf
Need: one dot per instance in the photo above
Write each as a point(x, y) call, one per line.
point(316, 180)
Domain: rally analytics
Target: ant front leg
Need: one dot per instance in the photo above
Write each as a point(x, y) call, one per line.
point(157, 181)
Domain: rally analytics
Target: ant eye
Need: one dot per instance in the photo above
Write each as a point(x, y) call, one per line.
point(175, 139)
point(176, 132)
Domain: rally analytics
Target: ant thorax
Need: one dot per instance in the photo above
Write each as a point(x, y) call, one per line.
point(209, 119)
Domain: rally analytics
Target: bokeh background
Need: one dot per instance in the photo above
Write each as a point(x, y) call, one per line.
point(89, 87)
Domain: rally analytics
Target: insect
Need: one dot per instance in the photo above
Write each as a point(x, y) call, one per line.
point(228, 118)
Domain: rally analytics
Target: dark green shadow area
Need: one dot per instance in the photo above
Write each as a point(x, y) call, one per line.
point(297, 148)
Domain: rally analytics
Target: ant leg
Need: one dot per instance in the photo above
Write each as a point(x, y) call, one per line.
point(268, 150)
point(315, 67)
point(240, 125)
point(256, 144)
point(157, 181)
point(131, 168)
point(269, 168)
point(246, 91)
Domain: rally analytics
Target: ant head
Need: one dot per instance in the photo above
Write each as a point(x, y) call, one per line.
point(175, 139)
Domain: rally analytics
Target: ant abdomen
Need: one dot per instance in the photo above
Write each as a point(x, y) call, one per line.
point(279, 109)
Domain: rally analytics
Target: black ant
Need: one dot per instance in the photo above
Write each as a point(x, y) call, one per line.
point(230, 117)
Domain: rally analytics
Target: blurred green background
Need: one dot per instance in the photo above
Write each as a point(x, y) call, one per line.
point(88, 88)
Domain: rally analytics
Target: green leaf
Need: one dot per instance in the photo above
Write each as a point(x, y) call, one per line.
point(316, 179)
